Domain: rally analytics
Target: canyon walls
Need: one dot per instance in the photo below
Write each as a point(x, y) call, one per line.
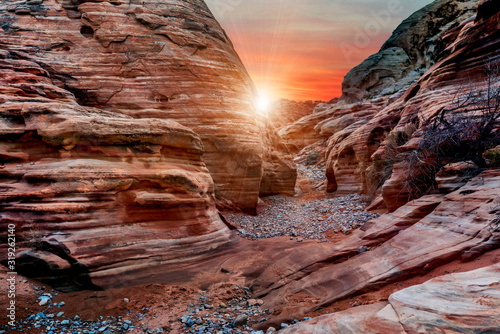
point(92, 192)
point(382, 115)
point(123, 124)
point(156, 59)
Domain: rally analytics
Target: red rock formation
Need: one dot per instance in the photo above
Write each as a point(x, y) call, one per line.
point(454, 303)
point(364, 152)
point(411, 50)
point(93, 192)
point(155, 59)
point(475, 44)
point(285, 112)
point(416, 238)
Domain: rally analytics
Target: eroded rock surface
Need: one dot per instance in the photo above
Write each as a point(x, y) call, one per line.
point(465, 302)
point(95, 194)
point(417, 237)
point(368, 159)
point(158, 59)
point(285, 112)
point(412, 49)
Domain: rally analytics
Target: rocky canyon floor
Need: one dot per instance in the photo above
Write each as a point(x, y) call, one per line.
point(216, 296)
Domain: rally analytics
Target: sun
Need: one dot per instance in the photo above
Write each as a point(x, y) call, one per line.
point(263, 104)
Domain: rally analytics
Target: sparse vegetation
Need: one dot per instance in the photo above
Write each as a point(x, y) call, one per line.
point(493, 156)
point(312, 158)
point(33, 236)
point(461, 133)
point(381, 170)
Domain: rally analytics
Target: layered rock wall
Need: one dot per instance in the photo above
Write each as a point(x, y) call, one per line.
point(95, 194)
point(154, 59)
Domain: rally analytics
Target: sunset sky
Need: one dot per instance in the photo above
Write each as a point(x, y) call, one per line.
point(301, 49)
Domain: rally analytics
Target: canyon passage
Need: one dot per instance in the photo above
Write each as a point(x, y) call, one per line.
point(144, 189)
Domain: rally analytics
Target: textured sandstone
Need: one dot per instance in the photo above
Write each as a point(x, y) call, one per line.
point(94, 193)
point(353, 156)
point(161, 59)
point(285, 112)
point(414, 239)
point(411, 50)
point(459, 303)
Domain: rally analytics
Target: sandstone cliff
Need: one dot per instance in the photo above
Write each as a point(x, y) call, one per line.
point(285, 112)
point(456, 222)
point(358, 158)
point(92, 193)
point(412, 49)
point(116, 117)
point(381, 79)
point(156, 59)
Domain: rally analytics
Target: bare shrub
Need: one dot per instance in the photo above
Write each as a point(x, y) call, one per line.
point(461, 133)
point(312, 158)
point(381, 170)
point(33, 236)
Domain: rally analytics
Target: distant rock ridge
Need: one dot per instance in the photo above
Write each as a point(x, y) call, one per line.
point(285, 112)
point(415, 45)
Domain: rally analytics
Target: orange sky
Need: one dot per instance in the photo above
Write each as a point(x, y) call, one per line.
point(301, 49)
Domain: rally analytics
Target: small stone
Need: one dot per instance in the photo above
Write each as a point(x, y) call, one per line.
point(300, 239)
point(60, 314)
point(222, 305)
point(66, 322)
point(271, 330)
point(44, 300)
point(126, 300)
point(252, 302)
point(362, 249)
point(240, 320)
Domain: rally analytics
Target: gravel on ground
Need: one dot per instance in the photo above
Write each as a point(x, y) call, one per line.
point(285, 216)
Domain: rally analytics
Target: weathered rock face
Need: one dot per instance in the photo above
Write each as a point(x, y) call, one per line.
point(416, 238)
point(411, 50)
point(457, 303)
point(95, 194)
point(476, 43)
point(328, 120)
point(377, 83)
point(161, 59)
point(366, 153)
point(285, 112)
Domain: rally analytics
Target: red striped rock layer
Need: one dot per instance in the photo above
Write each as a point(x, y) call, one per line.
point(166, 59)
point(471, 44)
point(457, 303)
point(416, 238)
point(95, 194)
